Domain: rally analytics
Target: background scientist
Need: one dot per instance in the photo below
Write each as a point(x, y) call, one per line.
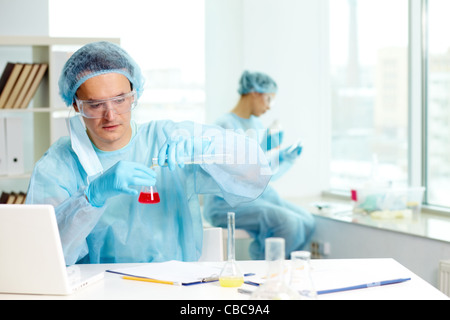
point(269, 215)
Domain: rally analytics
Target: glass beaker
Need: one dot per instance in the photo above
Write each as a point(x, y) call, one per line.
point(149, 195)
point(301, 280)
point(231, 276)
point(275, 286)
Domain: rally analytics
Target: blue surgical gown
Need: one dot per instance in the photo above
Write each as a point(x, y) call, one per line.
point(124, 230)
point(267, 216)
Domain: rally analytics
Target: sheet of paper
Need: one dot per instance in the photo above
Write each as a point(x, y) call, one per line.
point(176, 271)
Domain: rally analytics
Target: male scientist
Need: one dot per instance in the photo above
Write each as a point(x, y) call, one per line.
point(93, 178)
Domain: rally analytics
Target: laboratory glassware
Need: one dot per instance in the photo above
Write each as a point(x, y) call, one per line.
point(198, 159)
point(301, 278)
point(149, 195)
point(231, 276)
point(275, 286)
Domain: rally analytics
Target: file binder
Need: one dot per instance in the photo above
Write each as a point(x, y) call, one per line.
point(3, 164)
point(14, 145)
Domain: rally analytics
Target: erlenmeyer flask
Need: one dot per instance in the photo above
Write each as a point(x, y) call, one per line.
point(149, 195)
point(231, 276)
point(275, 286)
point(301, 280)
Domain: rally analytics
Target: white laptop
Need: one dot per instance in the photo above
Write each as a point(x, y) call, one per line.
point(31, 255)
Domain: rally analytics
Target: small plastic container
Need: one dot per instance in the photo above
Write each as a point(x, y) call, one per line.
point(389, 203)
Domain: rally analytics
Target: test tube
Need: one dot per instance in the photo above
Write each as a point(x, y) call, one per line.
point(275, 129)
point(199, 159)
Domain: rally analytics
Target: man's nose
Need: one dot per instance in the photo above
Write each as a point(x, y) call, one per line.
point(110, 112)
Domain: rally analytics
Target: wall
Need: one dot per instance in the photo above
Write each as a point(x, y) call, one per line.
point(16, 15)
point(288, 40)
point(223, 55)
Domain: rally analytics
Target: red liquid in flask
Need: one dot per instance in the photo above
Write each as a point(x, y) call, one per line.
point(149, 197)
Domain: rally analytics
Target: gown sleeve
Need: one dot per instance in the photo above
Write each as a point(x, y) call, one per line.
point(242, 172)
point(56, 180)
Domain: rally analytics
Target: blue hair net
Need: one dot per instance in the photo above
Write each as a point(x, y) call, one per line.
point(95, 59)
point(256, 82)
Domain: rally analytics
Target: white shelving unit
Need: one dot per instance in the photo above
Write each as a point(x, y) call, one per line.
point(44, 119)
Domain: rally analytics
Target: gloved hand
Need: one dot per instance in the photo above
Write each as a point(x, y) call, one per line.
point(117, 180)
point(290, 154)
point(177, 150)
point(271, 140)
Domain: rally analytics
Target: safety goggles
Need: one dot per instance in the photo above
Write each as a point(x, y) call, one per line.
point(96, 109)
point(270, 99)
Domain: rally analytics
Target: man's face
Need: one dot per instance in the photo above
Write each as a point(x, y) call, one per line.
point(112, 131)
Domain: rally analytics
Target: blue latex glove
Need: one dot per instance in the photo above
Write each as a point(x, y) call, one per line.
point(290, 153)
point(176, 151)
point(271, 140)
point(117, 180)
point(287, 159)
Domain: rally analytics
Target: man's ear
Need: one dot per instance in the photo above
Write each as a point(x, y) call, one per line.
point(75, 107)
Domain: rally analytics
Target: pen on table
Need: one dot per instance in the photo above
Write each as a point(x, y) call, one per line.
point(363, 286)
point(151, 280)
point(251, 283)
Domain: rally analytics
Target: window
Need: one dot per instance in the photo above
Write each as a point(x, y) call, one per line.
point(369, 75)
point(438, 103)
point(166, 38)
point(369, 53)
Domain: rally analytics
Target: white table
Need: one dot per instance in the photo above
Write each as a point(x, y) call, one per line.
point(327, 274)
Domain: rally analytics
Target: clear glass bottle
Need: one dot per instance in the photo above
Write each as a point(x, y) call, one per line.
point(301, 280)
point(275, 286)
point(231, 276)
